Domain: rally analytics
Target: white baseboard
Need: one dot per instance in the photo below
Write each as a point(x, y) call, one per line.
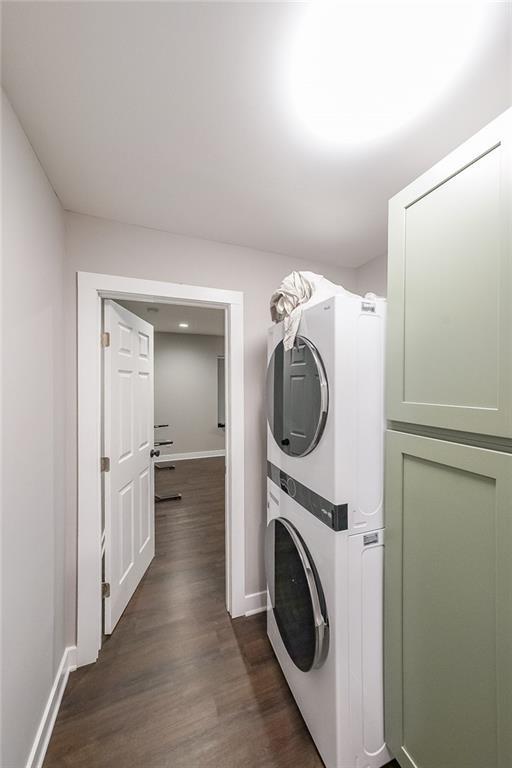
point(191, 455)
point(255, 603)
point(44, 731)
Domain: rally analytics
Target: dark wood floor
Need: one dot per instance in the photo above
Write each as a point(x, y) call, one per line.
point(178, 684)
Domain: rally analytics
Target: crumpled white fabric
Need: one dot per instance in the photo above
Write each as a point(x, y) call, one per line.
point(286, 304)
point(298, 291)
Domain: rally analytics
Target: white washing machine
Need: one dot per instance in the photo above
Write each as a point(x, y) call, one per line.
point(325, 538)
point(324, 621)
point(325, 406)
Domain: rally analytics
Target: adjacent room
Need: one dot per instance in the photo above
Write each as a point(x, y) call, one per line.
point(256, 390)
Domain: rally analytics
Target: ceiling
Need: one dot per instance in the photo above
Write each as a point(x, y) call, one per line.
point(173, 116)
point(167, 317)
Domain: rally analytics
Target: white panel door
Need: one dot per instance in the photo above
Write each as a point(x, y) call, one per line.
point(128, 441)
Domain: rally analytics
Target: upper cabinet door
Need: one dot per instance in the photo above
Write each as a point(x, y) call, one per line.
point(450, 290)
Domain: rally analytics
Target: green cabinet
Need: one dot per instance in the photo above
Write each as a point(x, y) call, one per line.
point(448, 584)
point(449, 357)
point(448, 506)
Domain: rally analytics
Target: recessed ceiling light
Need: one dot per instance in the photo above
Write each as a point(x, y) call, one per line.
point(183, 325)
point(357, 71)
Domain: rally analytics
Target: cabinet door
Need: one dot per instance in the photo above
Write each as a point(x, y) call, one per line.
point(450, 289)
point(448, 604)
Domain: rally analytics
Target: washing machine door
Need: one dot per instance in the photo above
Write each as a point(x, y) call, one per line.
point(297, 397)
point(296, 595)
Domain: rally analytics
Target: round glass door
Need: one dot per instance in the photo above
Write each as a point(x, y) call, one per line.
point(297, 397)
point(296, 596)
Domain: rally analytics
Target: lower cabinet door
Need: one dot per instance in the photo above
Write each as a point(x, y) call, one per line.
point(448, 604)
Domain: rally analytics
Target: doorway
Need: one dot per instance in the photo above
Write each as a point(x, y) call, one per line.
point(92, 290)
point(163, 445)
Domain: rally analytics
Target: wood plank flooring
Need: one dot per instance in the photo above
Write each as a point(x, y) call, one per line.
point(178, 684)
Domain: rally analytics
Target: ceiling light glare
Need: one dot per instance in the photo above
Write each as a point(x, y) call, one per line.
point(183, 325)
point(359, 71)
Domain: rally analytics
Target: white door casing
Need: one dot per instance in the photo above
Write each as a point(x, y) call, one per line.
point(127, 442)
point(92, 289)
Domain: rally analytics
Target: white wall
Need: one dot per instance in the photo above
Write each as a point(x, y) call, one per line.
point(186, 391)
point(33, 635)
point(98, 245)
point(373, 276)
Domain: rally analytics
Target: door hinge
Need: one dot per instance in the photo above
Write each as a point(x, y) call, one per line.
point(105, 339)
point(105, 464)
point(105, 589)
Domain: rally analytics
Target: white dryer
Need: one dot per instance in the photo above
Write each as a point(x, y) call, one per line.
point(324, 621)
point(325, 406)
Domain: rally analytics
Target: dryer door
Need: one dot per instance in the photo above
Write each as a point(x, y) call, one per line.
point(297, 397)
point(296, 595)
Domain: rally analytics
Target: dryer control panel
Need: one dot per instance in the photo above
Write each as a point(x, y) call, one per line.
point(335, 516)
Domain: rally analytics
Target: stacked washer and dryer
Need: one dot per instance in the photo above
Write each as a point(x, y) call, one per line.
point(324, 548)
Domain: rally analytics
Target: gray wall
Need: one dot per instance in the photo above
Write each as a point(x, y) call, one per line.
point(32, 441)
point(186, 391)
point(97, 245)
point(373, 276)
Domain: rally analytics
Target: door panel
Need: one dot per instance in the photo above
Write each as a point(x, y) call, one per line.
point(450, 279)
point(145, 508)
point(447, 604)
point(129, 485)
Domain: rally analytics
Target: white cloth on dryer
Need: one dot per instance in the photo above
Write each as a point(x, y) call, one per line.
point(286, 304)
point(298, 290)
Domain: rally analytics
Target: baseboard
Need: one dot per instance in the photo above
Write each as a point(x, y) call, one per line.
point(191, 455)
point(44, 731)
point(255, 603)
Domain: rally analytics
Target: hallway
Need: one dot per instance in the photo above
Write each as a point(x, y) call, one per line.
point(178, 684)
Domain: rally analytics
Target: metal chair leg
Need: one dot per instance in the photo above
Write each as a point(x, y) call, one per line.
point(173, 495)
point(170, 497)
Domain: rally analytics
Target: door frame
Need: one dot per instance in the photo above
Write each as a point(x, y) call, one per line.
point(92, 288)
